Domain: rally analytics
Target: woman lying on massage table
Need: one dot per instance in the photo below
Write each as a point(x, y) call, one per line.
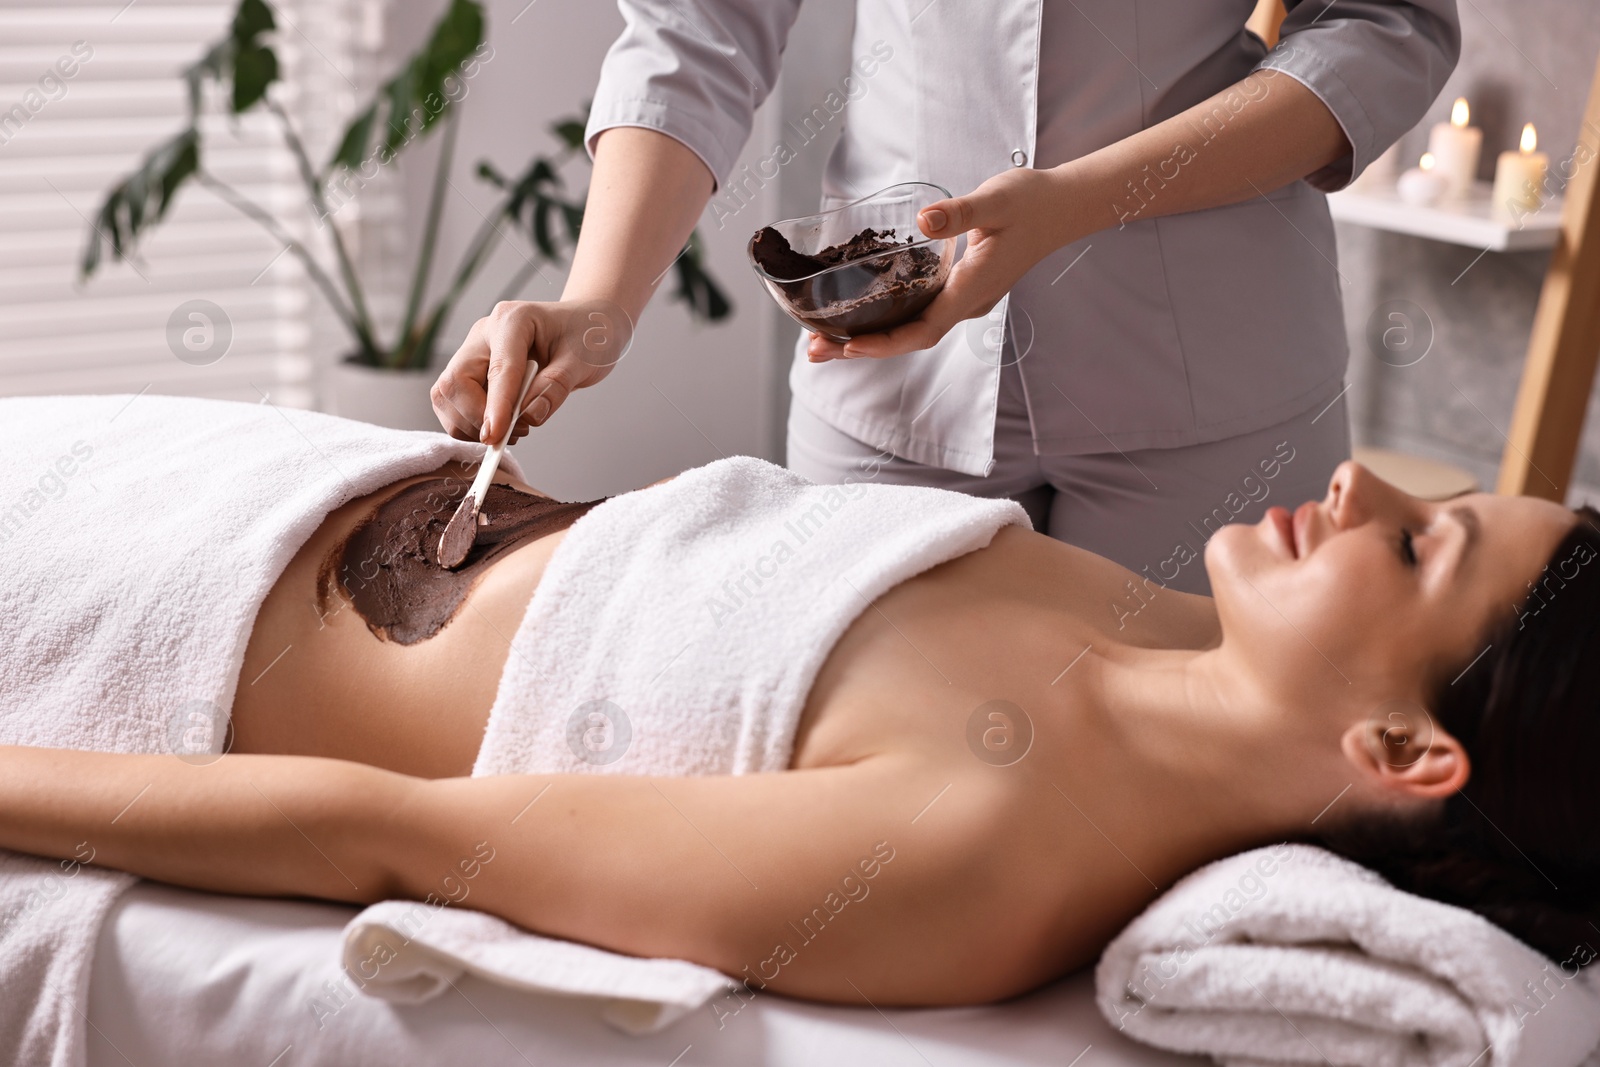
point(1290, 706)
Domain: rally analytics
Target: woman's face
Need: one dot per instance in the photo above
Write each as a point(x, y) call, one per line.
point(1374, 589)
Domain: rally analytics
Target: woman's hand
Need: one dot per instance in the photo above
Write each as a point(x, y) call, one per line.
point(1012, 221)
point(575, 343)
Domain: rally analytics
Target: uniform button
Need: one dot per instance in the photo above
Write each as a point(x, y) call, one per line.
point(1019, 158)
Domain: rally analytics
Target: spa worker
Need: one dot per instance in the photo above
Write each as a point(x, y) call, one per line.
point(1143, 338)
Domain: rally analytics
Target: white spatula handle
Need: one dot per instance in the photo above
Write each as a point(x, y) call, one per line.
point(491, 458)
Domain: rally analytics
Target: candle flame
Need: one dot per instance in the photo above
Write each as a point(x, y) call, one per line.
point(1458, 112)
point(1530, 138)
point(1426, 162)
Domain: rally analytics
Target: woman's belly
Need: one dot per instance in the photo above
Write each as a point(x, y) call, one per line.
point(319, 680)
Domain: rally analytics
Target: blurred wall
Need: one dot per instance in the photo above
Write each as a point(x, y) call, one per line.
point(1522, 61)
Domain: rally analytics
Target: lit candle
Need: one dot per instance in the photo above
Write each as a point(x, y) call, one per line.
point(1455, 146)
point(1422, 184)
point(1518, 177)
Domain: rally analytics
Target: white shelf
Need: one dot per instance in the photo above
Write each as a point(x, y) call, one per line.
point(1470, 221)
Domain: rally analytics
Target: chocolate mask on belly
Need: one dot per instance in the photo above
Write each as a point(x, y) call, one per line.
point(389, 568)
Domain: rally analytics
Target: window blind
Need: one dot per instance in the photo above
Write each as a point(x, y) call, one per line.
point(86, 89)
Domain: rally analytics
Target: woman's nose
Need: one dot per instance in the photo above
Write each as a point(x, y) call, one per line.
point(1349, 492)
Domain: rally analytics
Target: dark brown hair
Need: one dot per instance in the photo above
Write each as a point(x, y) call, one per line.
point(1520, 843)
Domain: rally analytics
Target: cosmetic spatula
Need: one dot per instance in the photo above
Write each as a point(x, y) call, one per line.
point(456, 541)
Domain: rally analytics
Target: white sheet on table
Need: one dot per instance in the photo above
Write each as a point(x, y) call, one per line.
point(184, 978)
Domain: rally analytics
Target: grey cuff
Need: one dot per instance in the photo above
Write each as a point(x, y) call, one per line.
point(716, 148)
point(1312, 72)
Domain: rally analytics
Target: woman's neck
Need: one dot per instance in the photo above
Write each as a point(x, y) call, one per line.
point(1226, 763)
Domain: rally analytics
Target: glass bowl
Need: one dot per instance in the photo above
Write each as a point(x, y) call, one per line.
point(845, 292)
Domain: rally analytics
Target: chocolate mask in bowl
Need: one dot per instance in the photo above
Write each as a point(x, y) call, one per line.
point(846, 272)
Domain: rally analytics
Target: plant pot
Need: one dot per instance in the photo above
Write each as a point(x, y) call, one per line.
point(394, 398)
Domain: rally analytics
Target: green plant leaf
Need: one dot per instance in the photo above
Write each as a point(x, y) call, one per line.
point(240, 58)
point(570, 131)
point(542, 208)
point(181, 164)
point(353, 148)
point(530, 186)
point(213, 64)
point(413, 100)
point(488, 173)
point(398, 95)
point(531, 203)
point(251, 20)
point(141, 199)
point(697, 288)
point(254, 69)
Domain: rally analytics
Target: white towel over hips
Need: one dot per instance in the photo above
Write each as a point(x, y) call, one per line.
point(679, 628)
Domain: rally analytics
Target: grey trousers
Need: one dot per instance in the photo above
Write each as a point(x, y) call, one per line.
point(1151, 510)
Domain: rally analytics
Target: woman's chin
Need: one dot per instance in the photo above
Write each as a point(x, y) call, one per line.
point(1236, 552)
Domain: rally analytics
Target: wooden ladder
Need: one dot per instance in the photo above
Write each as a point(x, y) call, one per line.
point(1547, 423)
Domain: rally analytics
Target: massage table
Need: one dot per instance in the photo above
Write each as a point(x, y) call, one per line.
point(183, 979)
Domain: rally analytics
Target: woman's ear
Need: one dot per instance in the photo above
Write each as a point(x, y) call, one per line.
point(1407, 752)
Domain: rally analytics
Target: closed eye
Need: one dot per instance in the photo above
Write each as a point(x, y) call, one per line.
point(1408, 551)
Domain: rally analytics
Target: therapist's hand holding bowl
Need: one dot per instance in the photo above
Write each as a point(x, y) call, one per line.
point(1012, 221)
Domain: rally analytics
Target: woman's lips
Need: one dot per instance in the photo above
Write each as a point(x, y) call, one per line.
point(1285, 527)
point(1300, 527)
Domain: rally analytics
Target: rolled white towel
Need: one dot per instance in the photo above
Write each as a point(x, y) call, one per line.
point(1292, 955)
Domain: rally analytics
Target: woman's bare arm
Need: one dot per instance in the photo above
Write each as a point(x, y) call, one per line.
point(266, 825)
point(815, 882)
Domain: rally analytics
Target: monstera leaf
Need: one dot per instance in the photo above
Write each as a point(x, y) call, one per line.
point(241, 56)
point(696, 287)
point(532, 201)
point(247, 67)
point(414, 99)
point(141, 199)
point(571, 130)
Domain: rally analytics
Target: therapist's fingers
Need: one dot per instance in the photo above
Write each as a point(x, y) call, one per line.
point(458, 397)
point(573, 344)
point(976, 283)
point(983, 208)
point(968, 293)
point(924, 331)
point(1003, 243)
point(551, 387)
point(511, 330)
point(965, 295)
point(819, 349)
point(921, 332)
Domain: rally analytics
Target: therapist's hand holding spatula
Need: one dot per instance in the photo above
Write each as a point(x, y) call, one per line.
point(458, 537)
